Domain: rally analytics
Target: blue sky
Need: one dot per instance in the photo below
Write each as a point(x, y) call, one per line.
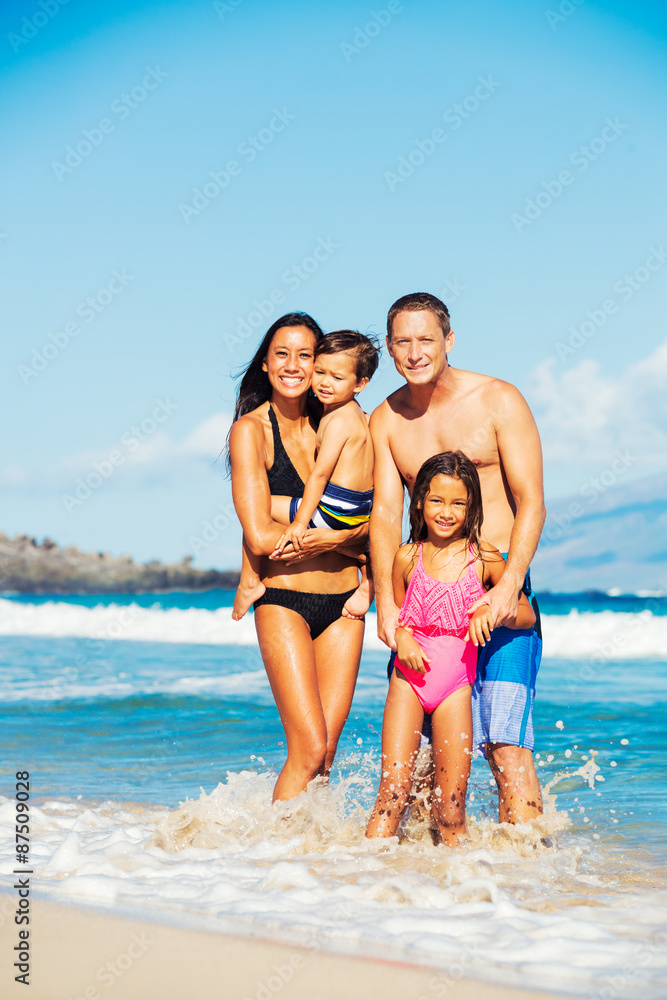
point(556, 104)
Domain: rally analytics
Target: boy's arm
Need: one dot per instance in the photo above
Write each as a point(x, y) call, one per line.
point(334, 439)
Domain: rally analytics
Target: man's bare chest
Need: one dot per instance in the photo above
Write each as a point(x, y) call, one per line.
point(412, 442)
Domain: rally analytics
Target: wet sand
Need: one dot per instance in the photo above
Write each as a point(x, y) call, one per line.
point(80, 953)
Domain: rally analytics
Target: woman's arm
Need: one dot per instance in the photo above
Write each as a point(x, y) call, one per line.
point(319, 540)
point(250, 487)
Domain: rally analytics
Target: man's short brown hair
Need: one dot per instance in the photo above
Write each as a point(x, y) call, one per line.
point(416, 302)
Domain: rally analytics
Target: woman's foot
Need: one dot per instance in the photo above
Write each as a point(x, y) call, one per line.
point(245, 597)
point(358, 604)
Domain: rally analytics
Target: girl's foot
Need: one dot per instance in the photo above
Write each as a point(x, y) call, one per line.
point(245, 597)
point(358, 604)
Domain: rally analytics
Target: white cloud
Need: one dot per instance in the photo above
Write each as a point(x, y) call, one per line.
point(585, 416)
point(142, 454)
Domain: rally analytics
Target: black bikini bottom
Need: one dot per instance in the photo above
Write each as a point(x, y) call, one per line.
point(319, 611)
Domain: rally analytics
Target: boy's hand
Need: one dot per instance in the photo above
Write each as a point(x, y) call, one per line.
point(410, 652)
point(481, 625)
point(294, 534)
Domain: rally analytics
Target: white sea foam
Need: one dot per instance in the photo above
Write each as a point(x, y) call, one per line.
point(604, 635)
point(505, 906)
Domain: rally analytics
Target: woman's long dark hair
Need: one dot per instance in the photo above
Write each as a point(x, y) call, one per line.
point(255, 388)
point(458, 466)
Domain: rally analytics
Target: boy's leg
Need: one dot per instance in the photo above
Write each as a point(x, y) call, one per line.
point(361, 600)
point(250, 587)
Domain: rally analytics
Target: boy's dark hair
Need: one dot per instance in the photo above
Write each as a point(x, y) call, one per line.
point(416, 302)
point(458, 466)
point(365, 349)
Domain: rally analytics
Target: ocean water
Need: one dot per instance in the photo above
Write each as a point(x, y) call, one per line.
point(150, 733)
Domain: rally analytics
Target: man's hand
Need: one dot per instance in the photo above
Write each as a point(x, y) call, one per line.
point(503, 600)
point(387, 625)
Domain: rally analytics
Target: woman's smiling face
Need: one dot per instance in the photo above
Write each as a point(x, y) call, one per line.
point(289, 361)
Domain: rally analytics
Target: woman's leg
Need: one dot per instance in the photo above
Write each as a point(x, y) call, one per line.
point(337, 656)
point(452, 749)
point(401, 732)
point(289, 659)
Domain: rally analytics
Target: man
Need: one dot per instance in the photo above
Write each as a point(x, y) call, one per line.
point(441, 408)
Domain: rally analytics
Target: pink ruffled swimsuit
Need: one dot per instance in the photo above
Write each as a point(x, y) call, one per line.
point(437, 612)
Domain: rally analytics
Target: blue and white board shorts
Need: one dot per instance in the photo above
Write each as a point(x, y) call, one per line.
point(504, 689)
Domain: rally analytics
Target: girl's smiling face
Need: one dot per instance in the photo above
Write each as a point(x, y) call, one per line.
point(289, 361)
point(445, 507)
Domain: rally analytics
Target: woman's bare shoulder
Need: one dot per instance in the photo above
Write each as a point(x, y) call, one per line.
point(249, 429)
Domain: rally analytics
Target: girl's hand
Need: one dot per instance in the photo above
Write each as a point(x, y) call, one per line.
point(481, 625)
point(292, 535)
point(410, 652)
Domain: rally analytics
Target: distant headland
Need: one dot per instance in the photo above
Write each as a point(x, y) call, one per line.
point(29, 567)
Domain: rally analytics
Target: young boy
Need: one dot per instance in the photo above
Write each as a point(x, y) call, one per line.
point(339, 490)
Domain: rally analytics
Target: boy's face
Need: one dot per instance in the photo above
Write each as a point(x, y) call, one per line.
point(335, 378)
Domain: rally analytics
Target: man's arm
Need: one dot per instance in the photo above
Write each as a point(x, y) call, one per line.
point(520, 454)
point(385, 525)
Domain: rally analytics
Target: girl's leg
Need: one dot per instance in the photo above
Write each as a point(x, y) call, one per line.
point(401, 732)
point(289, 659)
point(337, 656)
point(452, 749)
point(250, 587)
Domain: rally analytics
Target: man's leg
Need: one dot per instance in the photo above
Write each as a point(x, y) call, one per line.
point(519, 794)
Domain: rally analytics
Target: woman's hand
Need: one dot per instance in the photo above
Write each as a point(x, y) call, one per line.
point(481, 625)
point(410, 652)
point(315, 542)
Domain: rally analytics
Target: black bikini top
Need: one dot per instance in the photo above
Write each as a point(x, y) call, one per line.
point(284, 480)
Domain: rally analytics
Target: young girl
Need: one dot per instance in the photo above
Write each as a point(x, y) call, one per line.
point(438, 575)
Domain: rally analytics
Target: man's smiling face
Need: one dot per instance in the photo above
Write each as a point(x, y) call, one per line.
point(418, 346)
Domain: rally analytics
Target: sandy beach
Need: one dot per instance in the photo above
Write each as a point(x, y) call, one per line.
point(80, 953)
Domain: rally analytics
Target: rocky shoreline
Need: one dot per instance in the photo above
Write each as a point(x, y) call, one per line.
point(29, 567)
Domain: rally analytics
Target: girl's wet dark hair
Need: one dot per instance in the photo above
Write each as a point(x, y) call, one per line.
point(255, 388)
point(458, 466)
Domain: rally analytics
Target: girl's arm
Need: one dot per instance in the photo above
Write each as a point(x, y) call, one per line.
point(334, 439)
point(408, 649)
point(481, 620)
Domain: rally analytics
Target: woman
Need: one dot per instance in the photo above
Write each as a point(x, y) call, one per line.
point(311, 653)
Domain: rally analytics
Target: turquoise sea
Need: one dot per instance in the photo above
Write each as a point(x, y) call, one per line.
point(123, 708)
